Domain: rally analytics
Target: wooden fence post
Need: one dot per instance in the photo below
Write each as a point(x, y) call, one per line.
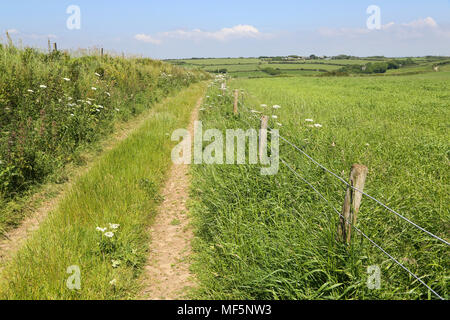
point(55, 47)
point(352, 202)
point(263, 138)
point(236, 101)
point(49, 46)
point(101, 52)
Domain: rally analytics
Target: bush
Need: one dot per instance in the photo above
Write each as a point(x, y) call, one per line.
point(272, 71)
point(51, 105)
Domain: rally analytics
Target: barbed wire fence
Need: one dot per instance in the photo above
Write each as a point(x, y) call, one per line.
point(256, 116)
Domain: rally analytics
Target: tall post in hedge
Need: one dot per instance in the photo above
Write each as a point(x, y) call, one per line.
point(352, 202)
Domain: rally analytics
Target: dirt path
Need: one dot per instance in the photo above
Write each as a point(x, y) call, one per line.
point(14, 239)
point(167, 275)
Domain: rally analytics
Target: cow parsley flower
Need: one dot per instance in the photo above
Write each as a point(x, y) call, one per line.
point(114, 226)
point(276, 106)
point(318, 125)
point(109, 234)
point(100, 229)
point(309, 120)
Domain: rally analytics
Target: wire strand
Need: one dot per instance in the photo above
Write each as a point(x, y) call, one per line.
point(356, 189)
point(359, 231)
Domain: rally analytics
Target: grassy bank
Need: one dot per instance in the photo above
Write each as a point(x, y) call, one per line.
point(272, 237)
point(122, 188)
point(53, 106)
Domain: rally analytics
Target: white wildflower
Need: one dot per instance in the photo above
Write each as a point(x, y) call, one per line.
point(30, 91)
point(108, 94)
point(114, 226)
point(66, 79)
point(309, 120)
point(98, 75)
point(94, 88)
point(264, 105)
point(276, 106)
point(113, 282)
point(275, 117)
point(318, 125)
point(279, 124)
point(117, 110)
point(72, 115)
point(43, 86)
point(100, 229)
point(109, 234)
point(115, 263)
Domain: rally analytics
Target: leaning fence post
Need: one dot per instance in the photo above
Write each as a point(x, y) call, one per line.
point(263, 138)
point(236, 101)
point(352, 202)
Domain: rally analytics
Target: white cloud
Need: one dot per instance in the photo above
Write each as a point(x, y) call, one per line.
point(415, 29)
point(237, 32)
point(147, 38)
point(33, 36)
point(12, 31)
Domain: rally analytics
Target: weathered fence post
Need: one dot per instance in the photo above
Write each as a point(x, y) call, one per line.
point(49, 46)
point(263, 138)
point(55, 47)
point(101, 52)
point(236, 101)
point(352, 202)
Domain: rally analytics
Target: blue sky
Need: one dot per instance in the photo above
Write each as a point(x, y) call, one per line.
point(200, 28)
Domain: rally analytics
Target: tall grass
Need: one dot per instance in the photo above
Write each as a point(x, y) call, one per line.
point(122, 188)
point(272, 237)
point(54, 105)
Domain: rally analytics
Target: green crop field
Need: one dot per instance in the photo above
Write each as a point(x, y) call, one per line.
point(275, 238)
point(293, 67)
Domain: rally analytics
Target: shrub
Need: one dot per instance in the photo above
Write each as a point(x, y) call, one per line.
point(51, 105)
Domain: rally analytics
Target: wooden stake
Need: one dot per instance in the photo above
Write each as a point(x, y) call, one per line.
point(55, 47)
point(101, 52)
point(352, 202)
point(263, 138)
point(49, 46)
point(236, 101)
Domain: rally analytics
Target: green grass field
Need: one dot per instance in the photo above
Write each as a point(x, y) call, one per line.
point(254, 67)
point(274, 238)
